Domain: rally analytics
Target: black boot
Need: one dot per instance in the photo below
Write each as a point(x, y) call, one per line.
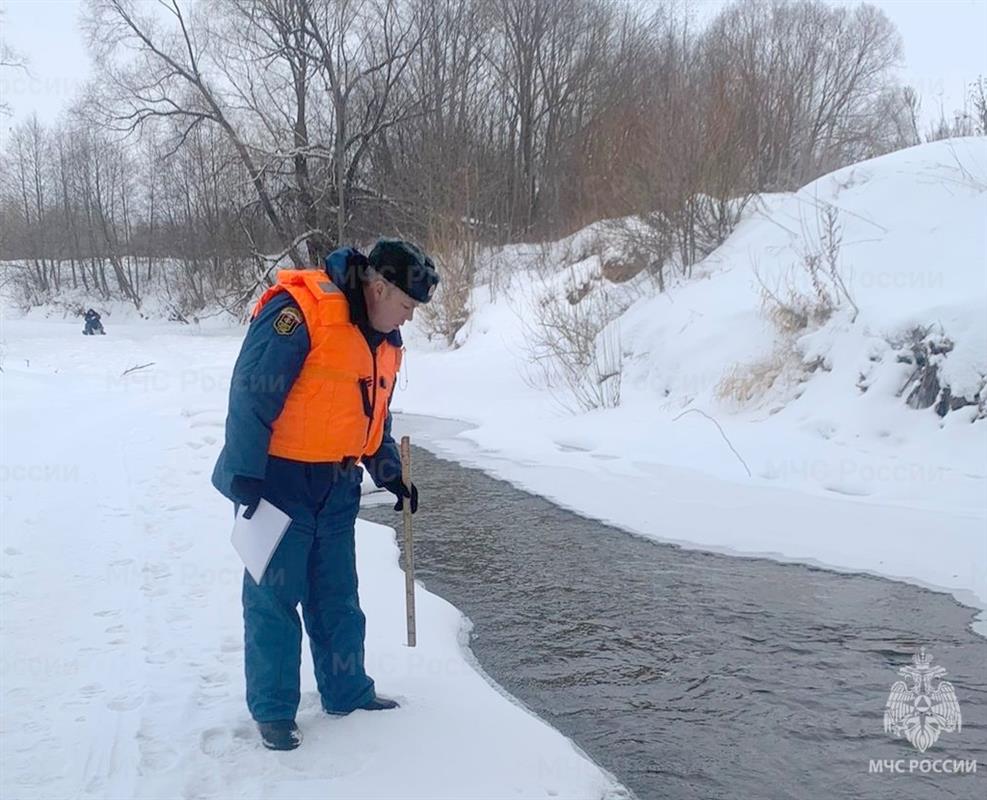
point(282, 734)
point(378, 703)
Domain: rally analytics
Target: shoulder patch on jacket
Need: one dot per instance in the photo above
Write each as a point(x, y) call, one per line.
point(287, 321)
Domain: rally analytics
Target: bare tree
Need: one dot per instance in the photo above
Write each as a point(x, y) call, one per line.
point(11, 60)
point(978, 100)
point(169, 79)
point(433, 167)
point(363, 49)
point(106, 178)
point(29, 167)
point(808, 75)
point(267, 60)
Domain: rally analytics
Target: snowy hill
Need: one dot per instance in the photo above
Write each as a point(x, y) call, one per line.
point(914, 255)
point(815, 417)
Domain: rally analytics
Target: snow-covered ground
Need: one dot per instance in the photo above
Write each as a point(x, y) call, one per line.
point(122, 654)
point(120, 591)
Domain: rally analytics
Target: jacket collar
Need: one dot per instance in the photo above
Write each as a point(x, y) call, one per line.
point(342, 272)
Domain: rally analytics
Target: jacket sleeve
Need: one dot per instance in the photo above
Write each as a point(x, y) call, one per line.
point(267, 367)
point(384, 466)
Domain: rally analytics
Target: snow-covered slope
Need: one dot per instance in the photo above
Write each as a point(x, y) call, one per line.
point(865, 481)
point(914, 254)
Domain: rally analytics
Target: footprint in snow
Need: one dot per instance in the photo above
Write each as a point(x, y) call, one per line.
point(176, 615)
point(157, 571)
point(215, 678)
point(156, 756)
point(203, 700)
point(847, 489)
point(221, 742)
point(198, 412)
point(125, 703)
point(160, 658)
point(245, 733)
point(207, 786)
point(180, 547)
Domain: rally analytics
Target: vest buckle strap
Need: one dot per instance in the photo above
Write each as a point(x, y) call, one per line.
point(368, 406)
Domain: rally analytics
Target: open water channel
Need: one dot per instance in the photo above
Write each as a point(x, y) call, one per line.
point(688, 674)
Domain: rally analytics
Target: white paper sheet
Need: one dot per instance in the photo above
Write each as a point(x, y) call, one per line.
point(257, 538)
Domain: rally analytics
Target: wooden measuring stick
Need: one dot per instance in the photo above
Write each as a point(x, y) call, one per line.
point(409, 542)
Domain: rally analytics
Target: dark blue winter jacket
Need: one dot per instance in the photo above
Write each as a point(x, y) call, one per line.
point(268, 364)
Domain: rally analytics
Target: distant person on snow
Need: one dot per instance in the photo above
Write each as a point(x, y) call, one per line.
point(309, 399)
point(93, 325)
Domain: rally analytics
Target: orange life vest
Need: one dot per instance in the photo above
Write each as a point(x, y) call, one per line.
point(338, 404)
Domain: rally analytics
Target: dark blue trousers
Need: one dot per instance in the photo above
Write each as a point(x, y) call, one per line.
point(315, 567)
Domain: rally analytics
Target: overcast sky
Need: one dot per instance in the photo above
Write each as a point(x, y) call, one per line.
point(944, 51)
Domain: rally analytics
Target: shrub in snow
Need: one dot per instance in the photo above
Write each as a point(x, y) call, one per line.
point(454, 248)
point(573, 340)
point(812, 289)
point(746, 384)
point(802, 298)
point(668, 242)
point(623, 269)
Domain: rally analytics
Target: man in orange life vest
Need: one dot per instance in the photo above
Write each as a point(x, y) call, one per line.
point(309, 398)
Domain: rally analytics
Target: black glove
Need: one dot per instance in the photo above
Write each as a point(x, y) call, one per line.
point(246, 492)
point(399, 490)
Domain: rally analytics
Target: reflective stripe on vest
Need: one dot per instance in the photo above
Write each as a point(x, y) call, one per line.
point(325, 416)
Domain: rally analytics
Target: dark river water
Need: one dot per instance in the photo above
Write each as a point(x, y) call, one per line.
point(688, 674)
